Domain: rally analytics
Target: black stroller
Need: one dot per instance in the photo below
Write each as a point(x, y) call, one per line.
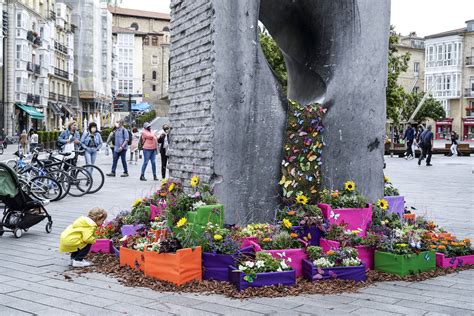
point(21, 211)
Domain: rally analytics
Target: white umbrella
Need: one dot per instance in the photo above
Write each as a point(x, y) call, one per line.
point(60, 123)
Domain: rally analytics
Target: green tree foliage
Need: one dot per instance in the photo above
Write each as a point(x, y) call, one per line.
point(397, 64)
point(274, 57)
point(431, 108)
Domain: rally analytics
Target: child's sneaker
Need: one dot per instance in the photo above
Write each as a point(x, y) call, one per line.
point(81, 264)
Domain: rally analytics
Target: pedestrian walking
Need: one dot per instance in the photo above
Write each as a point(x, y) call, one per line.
point(120, 141)
point(409, 137)
point(78, 237)
point(24, 142)
point(164, 140)
point(70, 139)
point(91, 142)
point(454, 143)
point(426, 143)
point(34, 139)
point(134, 150)
point(150, 146)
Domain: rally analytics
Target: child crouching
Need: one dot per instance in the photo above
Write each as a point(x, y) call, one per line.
point(78, 237)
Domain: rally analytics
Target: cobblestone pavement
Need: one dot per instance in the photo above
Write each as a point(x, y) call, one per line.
point(31, 267)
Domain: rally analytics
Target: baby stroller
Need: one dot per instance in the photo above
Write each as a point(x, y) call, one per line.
point(21, 211)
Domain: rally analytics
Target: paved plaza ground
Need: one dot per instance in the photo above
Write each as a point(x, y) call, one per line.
point(31, 280)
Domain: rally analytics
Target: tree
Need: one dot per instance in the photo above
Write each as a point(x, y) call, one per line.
point(397, 64)
point(431, 108)
point(274, 57)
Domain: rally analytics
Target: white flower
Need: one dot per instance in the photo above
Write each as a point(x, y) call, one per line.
point(198, 204)
point(260, 264)
point(351, 262)
point(123, 238)
point(241, 268)
point(249, 264)
point(289, 259)
point(323, 263)
point(284, 265)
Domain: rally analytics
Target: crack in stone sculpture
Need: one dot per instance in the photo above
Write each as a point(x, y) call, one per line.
point(228, 109)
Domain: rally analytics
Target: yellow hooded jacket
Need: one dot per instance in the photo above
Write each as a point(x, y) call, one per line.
point(78, 235)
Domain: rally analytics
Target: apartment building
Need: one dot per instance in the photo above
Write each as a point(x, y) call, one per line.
point(127, 68)
point(449, 77)
point(153, 28)
point(412, 80)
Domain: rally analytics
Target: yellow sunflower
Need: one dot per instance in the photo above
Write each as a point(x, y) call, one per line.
point(386, 179)
point(171, 187)
point(287, 223)
point(301, 199)
point(181, 222)
point(383, 204)
point(137, 202)
point(194, 181)
point(163, 181)
point(349, 186)
point(218, 237)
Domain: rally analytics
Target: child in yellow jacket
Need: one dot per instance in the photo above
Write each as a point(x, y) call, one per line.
point(78, 237)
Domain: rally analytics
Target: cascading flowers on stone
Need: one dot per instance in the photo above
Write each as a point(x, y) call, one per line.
point(301, 174)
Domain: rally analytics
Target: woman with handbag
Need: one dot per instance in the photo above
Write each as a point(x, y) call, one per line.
point(149, 143)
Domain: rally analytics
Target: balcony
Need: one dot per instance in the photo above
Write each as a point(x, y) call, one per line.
point(33, 68)
point(34, 38)
point(29, 67)
point(468, 93)
point(37, 69)
point(61, 73)
point(53, 96)
point(60, 47)
point(32, 98)
point(52, 15)
point(62, 98)
point(470, 61)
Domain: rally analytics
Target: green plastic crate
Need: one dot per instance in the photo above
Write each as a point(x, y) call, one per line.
point(403, 265)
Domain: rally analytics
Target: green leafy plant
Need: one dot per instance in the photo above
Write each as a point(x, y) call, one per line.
point(345, 257)
point(346, 198)
point(282, 240)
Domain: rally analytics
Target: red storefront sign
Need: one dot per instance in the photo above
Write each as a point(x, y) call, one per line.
point(444, 128)
point(468, 128)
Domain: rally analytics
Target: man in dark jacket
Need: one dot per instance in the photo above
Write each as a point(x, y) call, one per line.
point(409, 137)
point(426, 143)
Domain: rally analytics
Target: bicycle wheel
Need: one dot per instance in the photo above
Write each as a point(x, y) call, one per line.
point(63, 179)
point(45, 188)
point(81, 181)
point(98, 177)
point(12, 163)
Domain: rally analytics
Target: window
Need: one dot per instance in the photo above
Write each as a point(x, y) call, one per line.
point(153, 75)
point(125, 39)
point(146, 41)
point(18, 19)
point(18, 51)
point(166, 29)
point(431, 53)
point(154, 41)
point(154, 87)
point(134, 26)
point(440, 52)
point(416, 68)
point(154, 60)
point(18, 84)
point(416, 89)
point(40, 89)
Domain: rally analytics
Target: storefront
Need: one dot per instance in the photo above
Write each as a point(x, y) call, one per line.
point(468, 128)
point(29, 118)
point(444, 129)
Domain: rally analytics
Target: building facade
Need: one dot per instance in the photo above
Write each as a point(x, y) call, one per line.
point(413, 80)
point(154, 29)
point(449, 77)
point(127, 68)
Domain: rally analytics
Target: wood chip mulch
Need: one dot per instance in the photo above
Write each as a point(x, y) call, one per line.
point(109, 265)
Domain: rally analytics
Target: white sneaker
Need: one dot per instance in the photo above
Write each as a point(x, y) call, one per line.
point(81, 264)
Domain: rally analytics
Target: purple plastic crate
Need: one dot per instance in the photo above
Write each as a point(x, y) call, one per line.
point(287, 278)
point(312, 273)
point(115, 251)
point(310, 234)
point(216, 266)
point(129, 230)
point(396, 204)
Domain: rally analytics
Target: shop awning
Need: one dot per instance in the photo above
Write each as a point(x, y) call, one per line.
point(55, 108)
point(68, 109)
point(31, 111)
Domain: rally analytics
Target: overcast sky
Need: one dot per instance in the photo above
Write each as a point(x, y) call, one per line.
point(422, 16)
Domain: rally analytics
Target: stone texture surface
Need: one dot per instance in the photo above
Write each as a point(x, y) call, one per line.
point(229, 113)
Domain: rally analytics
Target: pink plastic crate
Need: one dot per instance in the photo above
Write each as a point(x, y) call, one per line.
point(355, 218)
point(443, 262)
point(102, 245)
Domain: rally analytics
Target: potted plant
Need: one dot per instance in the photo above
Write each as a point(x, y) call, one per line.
point(346, 206)
point(264, 270)
point(396, 202)
point(333, 264)
point(338, 236)
point(286, 246)
point(253, 233)
point(403, 252)
point(220, 250)
point(103, 235)
point(137, 219)
point(158, 228)
point(306, 220)
point(132, 251)
point(174, 258)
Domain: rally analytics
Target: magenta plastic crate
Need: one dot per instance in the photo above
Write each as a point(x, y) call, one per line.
point(293, 257)
point(287, 278)
point(396, 204)
point(157, 210)
point(312, 273)
point(102, 245)
point(365, 253)
point(444, 262)
point(248, 242)
point(355, 218)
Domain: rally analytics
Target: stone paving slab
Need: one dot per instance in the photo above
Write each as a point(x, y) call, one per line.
point(31, 280)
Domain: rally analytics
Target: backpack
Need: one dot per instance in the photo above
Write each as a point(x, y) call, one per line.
point(130, 136)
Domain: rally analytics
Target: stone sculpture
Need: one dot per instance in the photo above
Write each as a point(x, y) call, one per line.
point(228, 110)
